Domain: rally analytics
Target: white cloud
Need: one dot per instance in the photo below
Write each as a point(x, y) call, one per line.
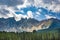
point(40, 10)
point(48, 17)
point(50, 4)
point(5, 12)
point(59, 0)
point(30, 14)
point(12, 9)
point(25, 4)
point(18, 17)
point(38, 13)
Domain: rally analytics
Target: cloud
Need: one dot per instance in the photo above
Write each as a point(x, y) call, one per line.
point(30, 14)
point(5, 12)
point(25, 4)
point(38, 13)
point(11, 2)
point(18, 17)
point(50, 4)
point(9, 7)
point(48, 17)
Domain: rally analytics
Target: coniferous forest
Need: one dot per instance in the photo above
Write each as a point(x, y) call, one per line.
point(40, 35)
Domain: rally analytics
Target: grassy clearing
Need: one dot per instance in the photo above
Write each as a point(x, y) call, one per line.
point(50, 35)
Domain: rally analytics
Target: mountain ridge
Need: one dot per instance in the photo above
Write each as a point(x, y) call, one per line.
point(28, 25)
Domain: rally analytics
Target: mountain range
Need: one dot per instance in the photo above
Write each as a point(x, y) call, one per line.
point(28, 25)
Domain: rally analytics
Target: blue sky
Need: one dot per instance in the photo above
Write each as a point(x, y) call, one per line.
point(43, 12)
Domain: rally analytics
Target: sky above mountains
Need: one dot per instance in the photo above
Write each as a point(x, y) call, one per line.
point(37, 9)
